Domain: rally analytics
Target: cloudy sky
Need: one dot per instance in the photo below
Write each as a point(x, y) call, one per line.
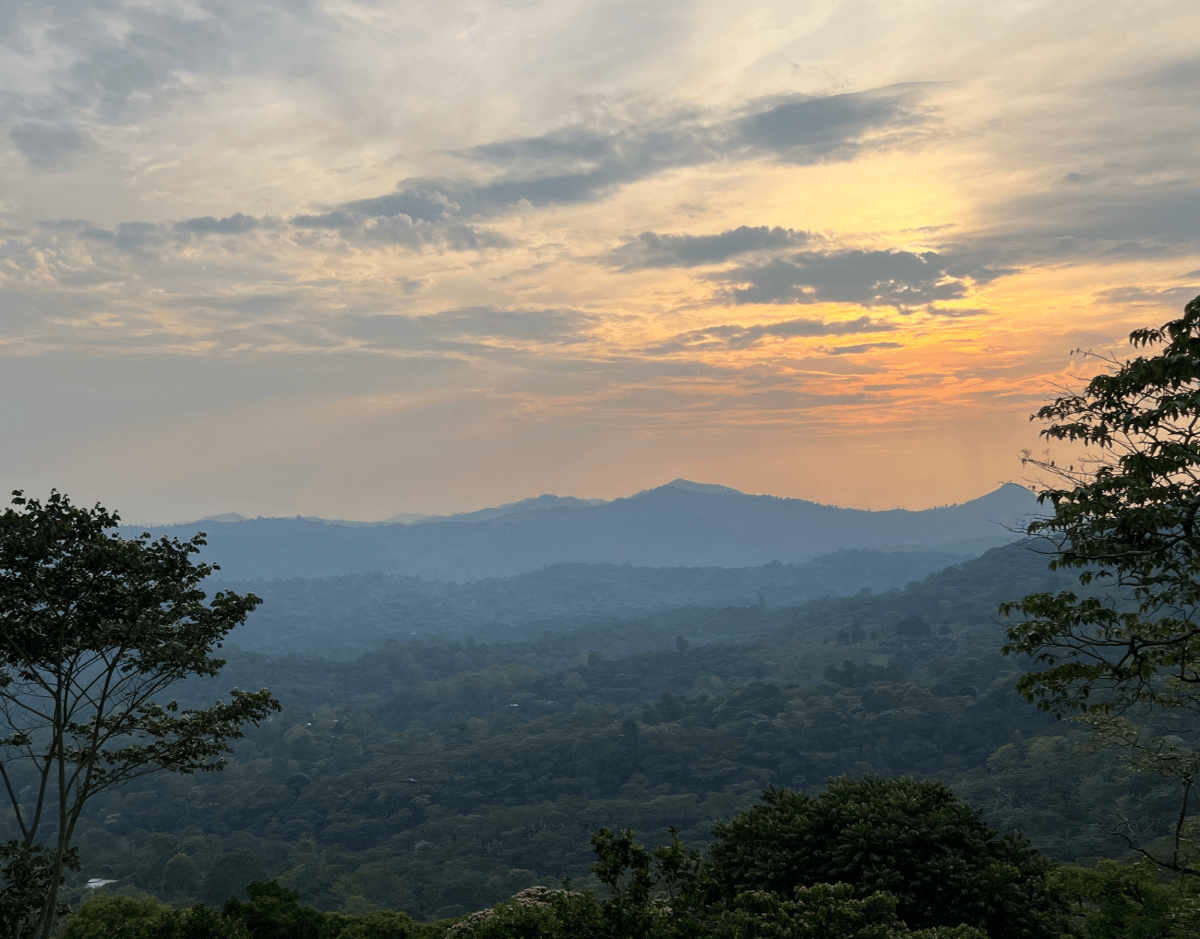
point(357, 258)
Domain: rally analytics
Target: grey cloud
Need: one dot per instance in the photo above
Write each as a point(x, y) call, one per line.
point(49, 146)
point(470, 328)
point(1180, 75)
point(136, 235)
point(331, 220)
point(402, 229)
point(578, 165)
point(123, 73)
point(811, 129)
point(564, 167)
point(265, 304)
point(1165, 215)
point(743, 337)
point(1100, 217)
point(1168, 298)
point(467, 238)
point(421, 203)
point(651, 250)
point(864, 347)
point(139, 237)
point(116, 78)
point(1103, 174)
point(1137, 249)
point(437, 201)
point(254, 304)
point(868, 278)
point(127, 236)
point(208, 225)
point(576, 145)
point(953, 313)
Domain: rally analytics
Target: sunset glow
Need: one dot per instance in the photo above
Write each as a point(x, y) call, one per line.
point(353, 259)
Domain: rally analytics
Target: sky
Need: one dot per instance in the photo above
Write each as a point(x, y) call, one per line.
point(353, 259)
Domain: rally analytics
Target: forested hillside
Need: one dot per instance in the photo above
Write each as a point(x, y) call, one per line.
point(345, 616)
point(439, 777)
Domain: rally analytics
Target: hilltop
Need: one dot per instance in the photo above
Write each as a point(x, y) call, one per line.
point(681, 524)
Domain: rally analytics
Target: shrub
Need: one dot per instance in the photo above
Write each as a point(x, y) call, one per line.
point(914, 840)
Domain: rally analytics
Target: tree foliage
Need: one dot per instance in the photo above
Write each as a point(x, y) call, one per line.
point(825, 911)
point(1125, 518)
point(28, 875)
point(1130, 901)
point(106, 917)
point(916, 841)
point(1123, 651)
point(94, 628)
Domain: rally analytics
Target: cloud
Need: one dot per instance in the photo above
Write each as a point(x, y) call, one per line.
point(403, 230)
point(575, 165)
point(868, 278)
point(566, 166)
point(808, 130)
point(49, 146)
point(864, 347)
point(1090, 219)
point(132, 237)
point(140, 238)
point(208, 225)
point(119, 62)
point(744, 337)
point(1180, 76)
point(471, 328)
point(578, 165)
point(1167, 299)
point(953, 312)
point(651, 250)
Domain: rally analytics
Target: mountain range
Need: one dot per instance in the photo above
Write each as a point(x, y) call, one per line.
point(681, 524)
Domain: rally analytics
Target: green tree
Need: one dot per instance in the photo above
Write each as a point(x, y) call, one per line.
point(387, 924)
point(180, 875)
point(537, 913)
point(94, 628)
point(28, 877)
point(230, 874)
point(914, 840)
point(107, 917)
point(1128, 901)
point(653, 893)
point(1123, 652)
point(825, 911)
point(274, 912)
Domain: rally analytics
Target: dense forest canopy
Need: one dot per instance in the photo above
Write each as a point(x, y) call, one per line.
point(439, 777)
point(343, 617)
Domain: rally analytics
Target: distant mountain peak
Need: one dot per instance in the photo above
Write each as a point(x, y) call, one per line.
point(226, 517)
point(711, 489)
point(535, 504)
point(404, 518)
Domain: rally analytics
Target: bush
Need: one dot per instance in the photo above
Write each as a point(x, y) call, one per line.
point(384, 924)
point(1126, 901)
point(824, 911)
point(914, 840)
point(534, 913)
point(274, 912)
point(106, 917)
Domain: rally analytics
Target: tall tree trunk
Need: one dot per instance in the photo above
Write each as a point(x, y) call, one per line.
point(50, 909)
